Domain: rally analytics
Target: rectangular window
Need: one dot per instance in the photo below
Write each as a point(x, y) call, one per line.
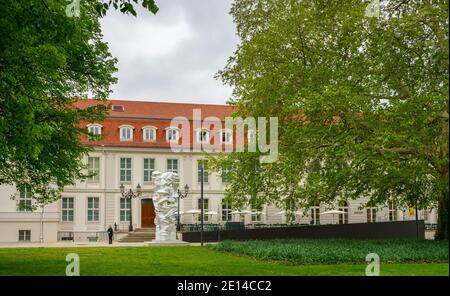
point(226, 212)
point(425, 215)
point(67, 209)
point(343, 218)
point(126, 133)
point(205, 208)
point(118, 108)
point(149, 134)
point(125, 169)
point(226, 137)
point(149, 167)
point(172, 165)
point(25, 201)
point(392, 211)
point(203, 163)
point(93, 209)
point(95, 132)
point(371, 215)
point(257, 215)
point(315, 215)
point(202, 136)
point(125, 209)
point(225, 176)
point(172, 134)
point(24, 235)
point(94, 169)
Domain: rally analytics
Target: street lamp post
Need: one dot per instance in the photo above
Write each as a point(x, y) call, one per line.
point(201, 203)
point(417, 222)
point(181, 195)
point(130, 195)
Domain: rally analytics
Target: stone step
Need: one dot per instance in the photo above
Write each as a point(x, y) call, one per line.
point(152, 229)
point(136, 239)
point(130, 240)
point(139, 235)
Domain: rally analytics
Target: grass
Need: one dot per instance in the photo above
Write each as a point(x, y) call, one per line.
point(339, 251)
point(178, 261)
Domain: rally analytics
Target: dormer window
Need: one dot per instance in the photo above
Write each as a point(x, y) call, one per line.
point(149, 133)
point(118, 108)
point(226, 136)
point(126, 132)
point(202, 136)
point(172, 134)
point(94, 130)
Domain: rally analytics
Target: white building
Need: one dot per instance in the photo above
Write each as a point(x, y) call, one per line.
point(135, 141)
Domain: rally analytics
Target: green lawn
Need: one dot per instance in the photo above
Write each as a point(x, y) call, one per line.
point(178, 261)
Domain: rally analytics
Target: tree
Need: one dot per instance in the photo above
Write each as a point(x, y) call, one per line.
point(362, 102)
point(48, 60)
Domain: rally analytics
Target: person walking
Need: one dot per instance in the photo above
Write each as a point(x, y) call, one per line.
point(110, 232)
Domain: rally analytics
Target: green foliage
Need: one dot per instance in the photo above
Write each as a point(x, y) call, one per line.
point(339, 251)
point(125, 6)
point(48, 61)
point(362, 102)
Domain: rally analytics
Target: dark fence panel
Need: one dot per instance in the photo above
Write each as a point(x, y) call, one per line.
point(379, 230)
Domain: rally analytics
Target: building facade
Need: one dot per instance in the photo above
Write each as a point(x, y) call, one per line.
point(135, 140)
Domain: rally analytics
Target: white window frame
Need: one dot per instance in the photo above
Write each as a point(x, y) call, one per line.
point(199, 133)
point(126, 169)
point(315, 215)
point(392, 211)
point(371, 214)
point(149, 170)
point(169, 130)
point(225, 176)
point(24, 235)
point(94, 209)
point(94, 169)
point(229, 139)
point(121, 108)
point(205, 209)
point(171, 169)
point(95, 129)
point(25, 198)
point(151, 130)
point(66, 210)
point(343, 218)
point(226, 212)
point(123, 128)
point(257, 218)
point(205, 171)
point(126, 210)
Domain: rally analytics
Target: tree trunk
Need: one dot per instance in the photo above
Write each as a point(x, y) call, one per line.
point(442, 223)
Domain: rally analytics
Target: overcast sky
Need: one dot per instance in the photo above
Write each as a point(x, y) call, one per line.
point(172, 56)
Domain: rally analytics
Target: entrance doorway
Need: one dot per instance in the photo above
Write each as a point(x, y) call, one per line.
point(147, 213)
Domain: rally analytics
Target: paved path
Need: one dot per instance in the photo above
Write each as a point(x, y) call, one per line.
point(76, 245)
point(68, 245)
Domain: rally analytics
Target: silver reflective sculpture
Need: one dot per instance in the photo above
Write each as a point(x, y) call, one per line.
point(165, 201)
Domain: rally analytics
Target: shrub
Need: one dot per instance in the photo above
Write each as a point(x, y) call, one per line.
point(299, 251)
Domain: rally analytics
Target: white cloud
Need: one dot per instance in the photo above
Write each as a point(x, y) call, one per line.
point(173, 55)
point(144, 39)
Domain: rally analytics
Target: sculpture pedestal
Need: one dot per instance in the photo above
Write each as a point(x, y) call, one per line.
point(167, 243)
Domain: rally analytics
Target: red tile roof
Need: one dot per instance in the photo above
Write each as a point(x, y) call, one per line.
point(160, 110)
point(139, 114)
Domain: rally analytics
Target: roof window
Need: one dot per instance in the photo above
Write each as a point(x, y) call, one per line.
point(118, 108)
